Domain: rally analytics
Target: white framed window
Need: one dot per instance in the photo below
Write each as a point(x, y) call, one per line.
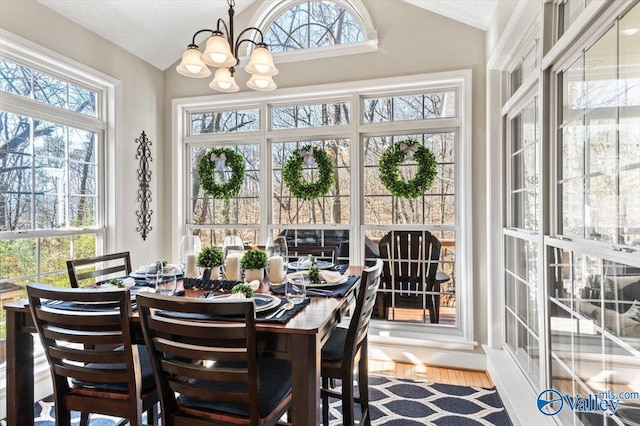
point(592, 251)
point(298, 30)
point(433, 109)
point(599, 133)
point(570, 266)
point(57, 121)
point(521, 236)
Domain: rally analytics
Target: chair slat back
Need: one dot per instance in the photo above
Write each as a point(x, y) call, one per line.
point(189, 348)
point(410, 257)
point(69, 337)
point(115, 264)
point(365, 301)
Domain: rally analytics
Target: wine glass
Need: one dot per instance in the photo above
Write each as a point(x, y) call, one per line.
point(233, 249)
point(151, 274)
point(166, 280)
point(232, 245)
point(190, 247)
point(296, 289)
point(277, 259)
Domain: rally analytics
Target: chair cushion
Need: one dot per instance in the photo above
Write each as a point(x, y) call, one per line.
point(333, 350)
point(274, 385)
point(148, 381)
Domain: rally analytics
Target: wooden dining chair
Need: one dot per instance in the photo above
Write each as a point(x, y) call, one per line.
point(346, 348)
point(108, 265)
point(75, 327)
point(207, 371)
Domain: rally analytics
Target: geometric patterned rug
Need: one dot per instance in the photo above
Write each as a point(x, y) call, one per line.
point(406, 402)
point(393, 402)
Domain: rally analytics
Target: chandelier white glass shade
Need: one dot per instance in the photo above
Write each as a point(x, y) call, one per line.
point(221, 52)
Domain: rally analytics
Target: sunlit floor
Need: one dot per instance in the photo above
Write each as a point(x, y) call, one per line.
point(430, 373)
point(447, 315)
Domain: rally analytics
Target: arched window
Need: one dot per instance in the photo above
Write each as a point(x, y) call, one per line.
point(326, 28)
point(312, 24)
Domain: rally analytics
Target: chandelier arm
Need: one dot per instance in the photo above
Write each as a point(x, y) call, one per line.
point(193, 39)
point(255, 43)
point(247, 40)
point(224, 24)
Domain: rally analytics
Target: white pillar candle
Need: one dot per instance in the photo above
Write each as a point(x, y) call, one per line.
point(192, 270)
point(276, 272)
point(232, 267)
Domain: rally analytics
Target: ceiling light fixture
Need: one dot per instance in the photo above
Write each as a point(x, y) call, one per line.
point(221, 51)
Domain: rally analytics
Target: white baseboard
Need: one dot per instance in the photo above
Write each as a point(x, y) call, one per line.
point(519, 398)
point(431, 353)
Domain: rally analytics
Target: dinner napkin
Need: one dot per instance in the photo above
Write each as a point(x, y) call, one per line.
point(327, 276)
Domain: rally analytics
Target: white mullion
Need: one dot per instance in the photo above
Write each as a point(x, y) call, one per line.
point(266, 165)
point(320, 132)
point(409, 126)
point(29, 107)
point(67, 167)
point(356, 202)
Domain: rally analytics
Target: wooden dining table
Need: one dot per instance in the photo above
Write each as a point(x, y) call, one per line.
point(300, 340)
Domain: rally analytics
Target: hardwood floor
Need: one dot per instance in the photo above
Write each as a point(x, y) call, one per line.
point(430, 373)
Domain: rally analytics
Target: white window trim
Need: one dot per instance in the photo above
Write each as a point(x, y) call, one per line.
point(270, 10)
point(181, 107)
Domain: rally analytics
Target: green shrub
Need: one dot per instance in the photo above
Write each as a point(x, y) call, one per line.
point(242, 288)
point(210, 257)
point(254, 259)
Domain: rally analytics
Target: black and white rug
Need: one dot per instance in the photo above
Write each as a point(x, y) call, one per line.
point(393, 402)
point(406, 402)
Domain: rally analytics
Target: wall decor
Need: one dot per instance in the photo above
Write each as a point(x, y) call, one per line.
point(292, 172)
point(218, 161)
point(144, 189)
point(395, 156)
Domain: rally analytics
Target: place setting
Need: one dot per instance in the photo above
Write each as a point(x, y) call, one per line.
point(318, 278)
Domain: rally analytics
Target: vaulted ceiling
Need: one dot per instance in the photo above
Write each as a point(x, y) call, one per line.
point(158, 31)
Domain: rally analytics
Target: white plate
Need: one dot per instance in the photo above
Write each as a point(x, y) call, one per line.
point(263, 302)
point(320, 264)
point(342, 280)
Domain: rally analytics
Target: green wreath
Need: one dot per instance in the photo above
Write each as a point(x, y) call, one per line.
point(394, 156)
point(292, 173)
point(216, 160)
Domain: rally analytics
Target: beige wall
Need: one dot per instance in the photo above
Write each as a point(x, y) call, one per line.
point(412, 41)
point(142, 109)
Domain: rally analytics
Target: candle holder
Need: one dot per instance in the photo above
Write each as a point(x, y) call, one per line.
point(190, 247)
point(277, 260)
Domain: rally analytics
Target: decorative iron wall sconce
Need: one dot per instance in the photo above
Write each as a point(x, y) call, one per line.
point(144, 189)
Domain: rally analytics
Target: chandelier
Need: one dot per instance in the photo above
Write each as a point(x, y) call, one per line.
point(221, 52)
